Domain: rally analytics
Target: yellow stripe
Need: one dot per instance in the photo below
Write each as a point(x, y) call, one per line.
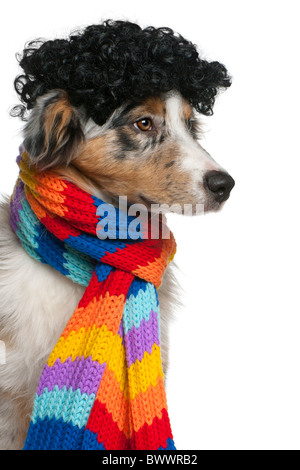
point(99, 343)
point(145, 372)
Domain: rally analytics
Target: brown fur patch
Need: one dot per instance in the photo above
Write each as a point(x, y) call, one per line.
point(132, 177)
point(153, 106)
point(140, 165)
point(55, 136)
point(57, 117)
point(187, 110)
point(62, 128)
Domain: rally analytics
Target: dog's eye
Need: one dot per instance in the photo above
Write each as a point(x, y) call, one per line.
point(144, 124)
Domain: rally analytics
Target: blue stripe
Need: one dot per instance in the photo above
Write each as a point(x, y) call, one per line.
point(72, 405)
point(52, 250)
point(139, 306)
point(102, 271)
point(79, 265)
point(90, 441)
point(137, 285)
point(52, 434)
point(170, 445)
point(91, 246)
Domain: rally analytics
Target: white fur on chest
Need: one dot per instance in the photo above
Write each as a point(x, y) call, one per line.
point(36, 302)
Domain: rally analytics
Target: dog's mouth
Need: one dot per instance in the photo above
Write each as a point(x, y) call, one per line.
point(127, 202)
point(154, 206)
point(179, 208)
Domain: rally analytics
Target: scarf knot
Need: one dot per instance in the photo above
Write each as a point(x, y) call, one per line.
point(103, 385)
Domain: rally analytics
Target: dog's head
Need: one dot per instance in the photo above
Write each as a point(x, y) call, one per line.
point(115, 109)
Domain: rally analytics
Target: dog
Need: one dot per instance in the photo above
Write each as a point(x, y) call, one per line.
point(115, 110)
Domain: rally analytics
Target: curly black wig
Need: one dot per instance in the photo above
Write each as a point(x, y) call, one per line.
point(107, 64)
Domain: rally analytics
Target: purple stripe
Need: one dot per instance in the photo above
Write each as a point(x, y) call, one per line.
point(141, 339)
point(121, 330)
point(121, 334)
point(83, 374)
point(21, 150)
point(16, 205)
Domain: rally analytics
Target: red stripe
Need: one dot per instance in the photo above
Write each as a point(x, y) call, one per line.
point(83, 199)
point(108, 433)
point(149, 437)
point(117, 283)
point(59, 227)
point(81, 209)
point(138, 254)
point(153, 436)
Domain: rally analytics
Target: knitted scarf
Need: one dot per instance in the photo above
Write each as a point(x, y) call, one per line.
point(103, 384)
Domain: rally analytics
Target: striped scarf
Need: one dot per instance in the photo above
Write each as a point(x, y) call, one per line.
point(103, 384)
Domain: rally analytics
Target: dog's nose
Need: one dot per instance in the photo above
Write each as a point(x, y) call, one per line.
point(220, 184)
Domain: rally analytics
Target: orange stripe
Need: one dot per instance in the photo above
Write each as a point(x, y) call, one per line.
point(107, 310)
point(143, 408)
point(148, 405)
point(35, 205)
point(113, 395)
point(153, 272)
point(53, 182)
point(148, 397)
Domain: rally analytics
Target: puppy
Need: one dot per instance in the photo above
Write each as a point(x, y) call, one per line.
point(113, 109)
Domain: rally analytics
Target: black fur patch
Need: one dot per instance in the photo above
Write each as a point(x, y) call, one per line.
point(122, 119)
point(168, 165)
point(126, 142)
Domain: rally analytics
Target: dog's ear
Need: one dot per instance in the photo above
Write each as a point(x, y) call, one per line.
point(53, 132)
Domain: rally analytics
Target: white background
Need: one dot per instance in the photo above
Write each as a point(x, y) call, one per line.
point(235, 345)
